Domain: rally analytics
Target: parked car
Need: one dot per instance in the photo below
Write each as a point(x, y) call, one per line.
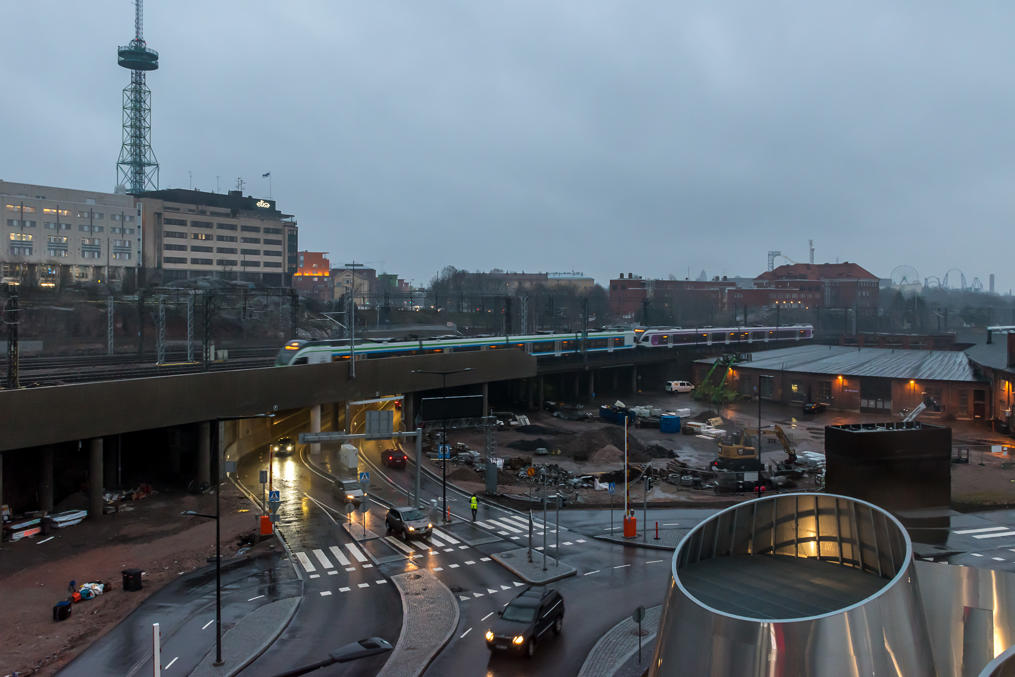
point(409, 522)
point(815, 407)
point(283, 446)
point(523, 623)
point(678, 387)
point(348, 491)
point(394, 458)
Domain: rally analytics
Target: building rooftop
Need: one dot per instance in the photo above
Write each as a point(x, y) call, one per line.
point(921, 365)
point(818, 271)
point(234, 200)
point(993, 355)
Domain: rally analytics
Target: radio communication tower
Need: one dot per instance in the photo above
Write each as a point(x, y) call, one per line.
point(137, 170)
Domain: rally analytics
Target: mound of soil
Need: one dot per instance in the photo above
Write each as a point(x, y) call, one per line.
point(534, 429)
point(584, 444)
point(607, 454)
point(658, 451)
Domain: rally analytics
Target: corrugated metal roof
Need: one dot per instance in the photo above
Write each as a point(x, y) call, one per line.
point(921, 365)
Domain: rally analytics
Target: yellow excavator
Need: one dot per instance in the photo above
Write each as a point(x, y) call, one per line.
point(743, 456)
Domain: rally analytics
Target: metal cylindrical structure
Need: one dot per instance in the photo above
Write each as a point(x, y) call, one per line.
point(794, 584)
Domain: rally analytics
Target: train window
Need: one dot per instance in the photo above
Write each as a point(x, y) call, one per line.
point(300, 360)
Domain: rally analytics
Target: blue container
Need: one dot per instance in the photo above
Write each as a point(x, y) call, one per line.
point(669, 423)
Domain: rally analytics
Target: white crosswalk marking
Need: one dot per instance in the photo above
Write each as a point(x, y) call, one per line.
point(508, 527)
point(436, 541)
point(420, 545)
point(337, 553)
point(325, 562)
point(477, 594)
point(363, 585)
point(354, 551)
point(505, 587)
point(325, 593)
point(995, 535)
point(491, 591)
point(464, 598)
point(517, 584)
point(444, 537)
point(398, 544)
point(449, 549)
point(453, 566)
point(343, 589)
point(308, 566)
point(980, 531)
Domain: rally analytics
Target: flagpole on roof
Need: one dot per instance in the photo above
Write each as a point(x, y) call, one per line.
point(267, 175)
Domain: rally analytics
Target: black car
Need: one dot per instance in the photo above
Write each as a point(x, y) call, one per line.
point(814, 407)
point(524, 622)
point(283, 446)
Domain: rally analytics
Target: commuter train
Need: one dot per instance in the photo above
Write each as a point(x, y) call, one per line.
point(299, 351)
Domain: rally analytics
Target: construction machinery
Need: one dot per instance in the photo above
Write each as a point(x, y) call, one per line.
point(927, 403)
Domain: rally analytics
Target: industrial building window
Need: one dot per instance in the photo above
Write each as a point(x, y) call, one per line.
point(250, 229)
point(175, 247)
point(174, 222)
point(175, 233)
point(226, 238)
point(226, 250)
point(201, 248)
point(963, 401)
point(225, 226)
point(250, 240)
point(174, 259)
point(201, 262)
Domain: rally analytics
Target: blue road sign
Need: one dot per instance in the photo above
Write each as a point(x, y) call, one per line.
point(444, 452)
point(273, 495)
point(612, 488)
point(364, 477)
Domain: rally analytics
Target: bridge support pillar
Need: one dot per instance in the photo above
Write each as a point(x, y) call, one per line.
point(634, 379)
point(409, 411)
point(218, 447)
point(592, 384)
point(95, 477)
point(204, 453)
point(315, 427)
point(577, 387)
point(46, 480)
point(529, 394)
point(486, 399)
point(539, 391)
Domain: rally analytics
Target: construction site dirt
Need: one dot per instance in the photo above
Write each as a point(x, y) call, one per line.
point(35, 572)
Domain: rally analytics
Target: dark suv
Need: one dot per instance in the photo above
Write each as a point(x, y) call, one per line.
point(394, 458)
point(525, 620)
point(408, 521)
point(283, 446)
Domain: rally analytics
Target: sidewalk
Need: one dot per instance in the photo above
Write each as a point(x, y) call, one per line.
point(616, 652)
point(430, 615)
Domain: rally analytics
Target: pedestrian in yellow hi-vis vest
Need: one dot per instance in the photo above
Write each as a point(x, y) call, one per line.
point(474, 504)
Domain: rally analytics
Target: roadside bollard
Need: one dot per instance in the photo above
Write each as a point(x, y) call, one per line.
point(657, 531)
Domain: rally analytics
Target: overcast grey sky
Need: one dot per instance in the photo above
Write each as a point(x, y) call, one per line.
point(646, 137)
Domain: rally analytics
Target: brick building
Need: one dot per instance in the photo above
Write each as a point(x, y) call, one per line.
point(812, 285)
point(313, 276)
point(628, 295)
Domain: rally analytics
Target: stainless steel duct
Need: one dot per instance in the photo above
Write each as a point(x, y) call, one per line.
point(794, 585)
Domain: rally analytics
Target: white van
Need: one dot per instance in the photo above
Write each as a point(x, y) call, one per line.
point(679, 386)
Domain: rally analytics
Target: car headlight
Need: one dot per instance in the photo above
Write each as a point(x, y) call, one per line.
point(429, 526)
point(518, 639)
point(349, 497)
point(489, 635)
point(275, 448)
point(289, 447)
point(412, 528)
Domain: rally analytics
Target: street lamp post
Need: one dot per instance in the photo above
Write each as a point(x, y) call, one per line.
point(444, 430)
point(352, 324)
point(214, 444)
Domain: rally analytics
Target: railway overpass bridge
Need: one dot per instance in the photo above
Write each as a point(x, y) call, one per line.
point(108, 433)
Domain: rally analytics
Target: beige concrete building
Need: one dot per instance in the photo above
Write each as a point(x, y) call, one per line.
point(58, 236)
point(191, 234)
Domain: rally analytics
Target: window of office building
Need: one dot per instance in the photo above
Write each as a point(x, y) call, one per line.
point(274, 242)
point(225, 262)
point(90, 253)
point(268, 252)
point(250, 240)
point(174, 234)
point(98, 229)
point(121, 256)
point(57, 239)
point(174, 222)
point(116, 230)
point(20, 237)
point(272, 231)
point(81, 215)
point(130, 231)
point(174, 247)
point(174, 259)
point(200, 224)
point(21, 208)
point(225, 226)
point(272, 264)
point(13, 223)
point(201, 236)
point(56, 210)
point(226, 238)
point(201, 248)
point(56, 252)
point(29, 224)
point(251, 264)
point(250, 229)
point(226, 250)
point(251, 252)
point(21, 250)
point(201, 262)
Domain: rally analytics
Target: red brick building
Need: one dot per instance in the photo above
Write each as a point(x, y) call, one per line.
point(313, 276)
point(812, 285)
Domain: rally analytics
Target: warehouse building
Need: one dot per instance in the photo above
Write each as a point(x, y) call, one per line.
point(875, 380)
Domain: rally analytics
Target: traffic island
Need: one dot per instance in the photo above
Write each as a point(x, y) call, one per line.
point(249, 638)
point(531, 569)
point(429, 617)
point(616, 652)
